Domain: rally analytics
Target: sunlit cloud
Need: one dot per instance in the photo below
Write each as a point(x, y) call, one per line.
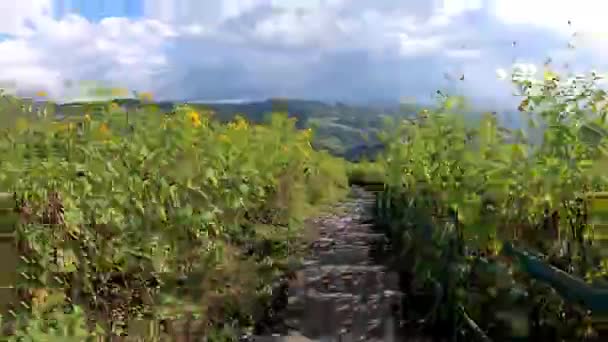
point(360, 50)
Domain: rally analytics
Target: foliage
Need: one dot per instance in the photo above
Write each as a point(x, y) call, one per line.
point(365, 172)
point(338, 127)
point(57, 325)
point(117, 209)
point(450, 183)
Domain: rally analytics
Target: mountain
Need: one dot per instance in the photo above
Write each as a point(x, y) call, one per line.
point(342, 129)
point(345, 130)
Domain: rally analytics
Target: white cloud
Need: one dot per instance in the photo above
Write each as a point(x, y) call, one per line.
point(115, 50)
point(14, 14)
point(414, 46)
point(355, 49)
point(585, 15)
point(463, 53)
point(456, 7)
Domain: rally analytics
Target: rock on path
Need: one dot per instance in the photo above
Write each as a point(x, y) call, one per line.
point(341, 293)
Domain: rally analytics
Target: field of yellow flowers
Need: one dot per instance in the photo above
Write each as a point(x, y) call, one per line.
point(115, 211)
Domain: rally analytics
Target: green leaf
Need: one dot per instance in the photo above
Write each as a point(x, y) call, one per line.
point(211, 176)
point(162, 214)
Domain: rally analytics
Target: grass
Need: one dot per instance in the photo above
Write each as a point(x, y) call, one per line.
point(366, 173)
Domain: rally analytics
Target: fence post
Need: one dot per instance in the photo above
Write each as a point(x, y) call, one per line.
point(598, 220)
point(8, 252)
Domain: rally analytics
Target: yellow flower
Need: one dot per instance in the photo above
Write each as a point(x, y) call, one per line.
point(223, 138)
point(240, 124)
point(87, 117)
point(307, 133)
point(195, 118)
point(104, 129)
point(39, 297)
point(549, 75)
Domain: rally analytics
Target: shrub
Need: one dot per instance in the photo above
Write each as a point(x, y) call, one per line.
point(110, 205)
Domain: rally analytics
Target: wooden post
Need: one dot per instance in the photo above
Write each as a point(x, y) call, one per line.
point(8, 252)
point(598, 220)
point(597, 216)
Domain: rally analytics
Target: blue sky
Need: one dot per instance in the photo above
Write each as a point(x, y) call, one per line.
point(96, 10)
point(348, 50)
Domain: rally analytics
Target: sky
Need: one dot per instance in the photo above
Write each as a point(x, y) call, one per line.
point(336, 50)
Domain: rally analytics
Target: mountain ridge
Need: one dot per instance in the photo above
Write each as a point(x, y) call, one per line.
point(344, 129)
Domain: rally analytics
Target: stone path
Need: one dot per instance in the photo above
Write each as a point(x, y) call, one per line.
point(342, 293)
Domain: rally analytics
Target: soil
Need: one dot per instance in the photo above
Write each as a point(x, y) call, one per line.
point(343, 291)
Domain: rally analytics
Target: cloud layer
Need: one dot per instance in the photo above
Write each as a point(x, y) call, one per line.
point(363, 50)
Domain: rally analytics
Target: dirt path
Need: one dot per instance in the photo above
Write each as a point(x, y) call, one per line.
point(342, 292)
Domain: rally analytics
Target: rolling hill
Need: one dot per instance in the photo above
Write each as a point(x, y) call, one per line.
point(344, 130)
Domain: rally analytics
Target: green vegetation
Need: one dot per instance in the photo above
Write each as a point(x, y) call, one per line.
point(147, 213)
point(455, 194)
point(366, 173)
point(151, 219)
point(339, 128)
